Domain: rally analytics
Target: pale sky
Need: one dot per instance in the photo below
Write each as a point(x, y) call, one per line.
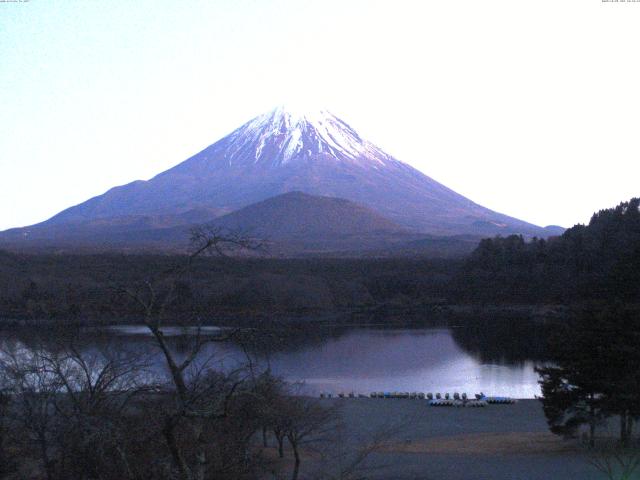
point(531, 108)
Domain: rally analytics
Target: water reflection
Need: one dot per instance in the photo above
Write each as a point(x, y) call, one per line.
point(492, 359)
point(503, 341)
point(404, 360)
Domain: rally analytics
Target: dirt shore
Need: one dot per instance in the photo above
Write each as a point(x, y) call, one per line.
point(498, 442)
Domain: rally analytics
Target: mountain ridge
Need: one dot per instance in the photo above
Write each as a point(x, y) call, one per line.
point(279, 152)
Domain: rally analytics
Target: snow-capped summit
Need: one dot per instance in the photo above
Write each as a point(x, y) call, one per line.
point(286, 150)
point(287, 134)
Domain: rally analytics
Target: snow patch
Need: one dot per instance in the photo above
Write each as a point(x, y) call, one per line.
point(286, 134)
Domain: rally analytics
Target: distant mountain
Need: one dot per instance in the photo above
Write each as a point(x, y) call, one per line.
point(296, 223)
point(554, 230)
point(278, 152)
point(298, 215)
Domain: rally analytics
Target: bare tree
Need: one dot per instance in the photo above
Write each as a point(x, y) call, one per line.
point(307, 424)
point(195, 402)
point(72, 404)
point(5, 462)
point(98, 387)
point(35, 393)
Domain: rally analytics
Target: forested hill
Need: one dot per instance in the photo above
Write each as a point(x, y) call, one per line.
point(594, 262)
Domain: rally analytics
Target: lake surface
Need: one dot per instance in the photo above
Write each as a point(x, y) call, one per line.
point(363, 360)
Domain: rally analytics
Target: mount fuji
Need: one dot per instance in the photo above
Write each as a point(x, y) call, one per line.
point(281, 151)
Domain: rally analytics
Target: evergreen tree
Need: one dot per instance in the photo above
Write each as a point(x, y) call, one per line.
point(596, 373)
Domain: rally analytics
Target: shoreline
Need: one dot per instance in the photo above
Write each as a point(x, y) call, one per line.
point(388, 314)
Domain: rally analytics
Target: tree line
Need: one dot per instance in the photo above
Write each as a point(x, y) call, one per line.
point(588, 263)
point(592, 376)
point(81, 288)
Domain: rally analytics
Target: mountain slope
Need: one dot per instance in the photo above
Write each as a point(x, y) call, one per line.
point(319, 154)
point(280, 152)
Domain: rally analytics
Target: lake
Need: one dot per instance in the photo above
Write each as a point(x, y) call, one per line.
point(496, 360)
